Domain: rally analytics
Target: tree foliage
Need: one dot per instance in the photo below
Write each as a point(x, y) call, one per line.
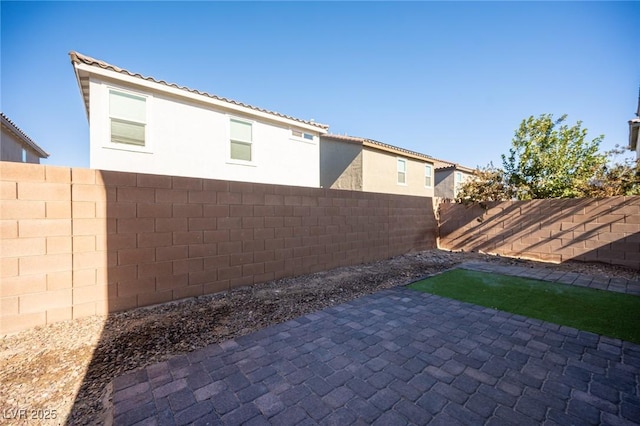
point(549, 159)
point(617, 177)
point(486, 184)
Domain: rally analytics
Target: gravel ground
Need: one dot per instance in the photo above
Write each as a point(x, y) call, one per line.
point(64, 370)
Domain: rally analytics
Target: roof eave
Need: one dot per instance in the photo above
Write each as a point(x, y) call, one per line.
point(84, 91)
point(380, 146)
point(370, 143)
point(456, 167)
point(23, 137)
point(445, 168)
point(345, 139)
point(82, 67)
point(464, 169)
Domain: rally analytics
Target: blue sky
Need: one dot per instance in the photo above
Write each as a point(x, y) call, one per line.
point(452, 80)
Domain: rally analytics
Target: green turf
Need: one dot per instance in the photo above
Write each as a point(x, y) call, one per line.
point(603, 312)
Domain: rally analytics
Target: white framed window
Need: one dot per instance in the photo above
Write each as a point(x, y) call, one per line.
point(24, 155)
point(127, 119)
point(241, 140)
point(428, 175)
point(402, 171)
point(304, 136)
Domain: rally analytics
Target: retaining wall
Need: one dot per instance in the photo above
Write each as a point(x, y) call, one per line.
point(589, 229)
point(76, 242)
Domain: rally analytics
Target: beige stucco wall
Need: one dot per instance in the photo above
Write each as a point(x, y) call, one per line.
point(380, 174)
point(11, 149)
point(340, 165)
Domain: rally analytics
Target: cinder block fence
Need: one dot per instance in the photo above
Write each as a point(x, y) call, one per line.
point(77, 242)
point(603, 230)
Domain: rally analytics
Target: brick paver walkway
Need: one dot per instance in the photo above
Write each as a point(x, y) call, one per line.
point(393, 358)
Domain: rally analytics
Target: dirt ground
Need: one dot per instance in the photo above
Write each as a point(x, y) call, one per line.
point(61, 373)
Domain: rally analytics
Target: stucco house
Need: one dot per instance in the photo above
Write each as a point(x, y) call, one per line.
point(634, 132)
point(448, 178)
point(16, 146)
point(141, 124)
point(361, 164)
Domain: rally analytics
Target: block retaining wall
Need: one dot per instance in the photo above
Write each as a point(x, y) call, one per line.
point(596, 229)
point(76, 242)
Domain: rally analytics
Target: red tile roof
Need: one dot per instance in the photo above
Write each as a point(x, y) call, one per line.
point(77, 58)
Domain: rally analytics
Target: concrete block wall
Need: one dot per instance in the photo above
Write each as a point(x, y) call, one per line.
point(35, 245)
point(600, 230)
point(77, 242)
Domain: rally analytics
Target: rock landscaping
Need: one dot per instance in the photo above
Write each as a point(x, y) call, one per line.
point(66, 369)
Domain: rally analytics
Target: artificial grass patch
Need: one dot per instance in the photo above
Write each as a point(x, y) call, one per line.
point(602, 312)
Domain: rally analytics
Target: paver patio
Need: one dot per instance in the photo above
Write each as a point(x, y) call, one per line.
point(397, 357)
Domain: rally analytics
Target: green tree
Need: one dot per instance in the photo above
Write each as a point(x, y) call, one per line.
point(486, 184)
point(549, 159)
point(617, 177)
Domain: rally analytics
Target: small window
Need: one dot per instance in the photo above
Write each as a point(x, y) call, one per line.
point(458, 177)
point(428, 170)
point(128, 115)
point(24, 155)
point(241, 140)
point(402, 172)
point(302, 135)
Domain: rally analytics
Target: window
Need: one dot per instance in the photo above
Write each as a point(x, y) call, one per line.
point(241, 140)
point(428, 170)
point(24, 155)
point(128, 115)
point(303, 135)
point(402, 172)
point(458, 177)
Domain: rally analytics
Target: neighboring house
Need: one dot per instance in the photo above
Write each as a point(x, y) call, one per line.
point(634, 132)
point(449, 177)
point(16, 146)
point(360, 164)
point(140, 124)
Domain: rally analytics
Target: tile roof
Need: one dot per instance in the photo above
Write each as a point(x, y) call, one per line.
point(374, 143)
point(6, 122)
point(444, 165)
point(345, 138)
point(78, 58)
point(439, 164)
